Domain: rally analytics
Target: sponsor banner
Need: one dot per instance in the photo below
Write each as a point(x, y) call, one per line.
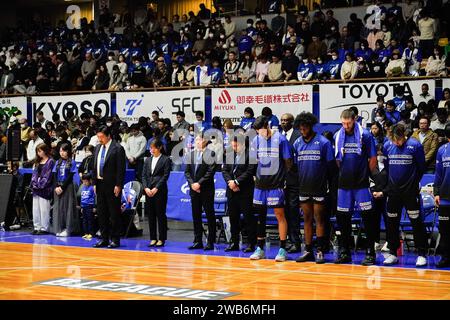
point(445, 83)
point(18, 102)
point(79, 104)
point(137, 288)
point(231, 102)
point(132, 105)
point(179, 200)
point(334, 98)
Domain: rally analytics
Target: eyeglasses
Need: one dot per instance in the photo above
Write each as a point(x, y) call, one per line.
point(160, 60)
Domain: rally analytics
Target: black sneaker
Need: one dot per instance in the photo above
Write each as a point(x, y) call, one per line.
point(320, 258)
point(344, 257)
point(306, 256)
point(443, 263)
point(369, 260)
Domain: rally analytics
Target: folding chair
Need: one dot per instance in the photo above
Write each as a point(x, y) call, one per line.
point(137, 189)
point(220, 211)
point(356, 229)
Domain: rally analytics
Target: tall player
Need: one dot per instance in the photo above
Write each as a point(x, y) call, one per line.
point(315, 162)
point(356, 156)
point(272, 154)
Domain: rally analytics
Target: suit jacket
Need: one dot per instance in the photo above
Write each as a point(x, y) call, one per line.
point(204, 174)
point(243, 173)
point(158, 179)
point(114, 167)
point(292, 175)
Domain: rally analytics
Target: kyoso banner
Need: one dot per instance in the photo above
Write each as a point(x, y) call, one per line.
point(18, 102)
point(83, 103)
point(334, 98)
point(132, 105)
point(231, 102)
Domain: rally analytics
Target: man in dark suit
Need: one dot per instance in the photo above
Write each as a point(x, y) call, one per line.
point(109, 176)
point(200, 175)
point(291, 191)
point(238, 174)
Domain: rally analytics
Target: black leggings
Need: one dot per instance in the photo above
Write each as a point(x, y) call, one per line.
point(395, 205)
point(444, 230)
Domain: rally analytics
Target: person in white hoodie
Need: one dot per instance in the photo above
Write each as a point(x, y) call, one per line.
point(349, 68)
point(135, 150)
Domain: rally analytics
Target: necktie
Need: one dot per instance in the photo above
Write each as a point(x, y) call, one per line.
point(236, 162)
point(102, 160)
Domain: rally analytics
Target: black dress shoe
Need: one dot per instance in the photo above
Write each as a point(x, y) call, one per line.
point(443, 263)
point(101, 244)
point(294, 249)
point(210, 246)
point(369, 260)
point(250, 248)
point(35, 232)
point(114, 244)
point(232, 247)
point(196, 245)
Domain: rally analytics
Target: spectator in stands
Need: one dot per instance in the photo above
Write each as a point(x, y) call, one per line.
point(41, 119)
point(412, 57)
point(248, 119)
point(116, 81)
point(354, 27)
point(274, 50)
point(24, 132)
point(32, 144)
point(316, 48)
point(88, 71)
point(134, 150)
point(41, 185)
point(260, 46)
point(231, 69)
point(425, 96)
point(436, 63)
point(181, 123)
point(396, 66)
point(245, 43)
point(204, 13)
point(274, 72)
point(289, 65)
point(123, 67)
point(247, 69)
point(229, 27)
point(445, 98)
point(7, 81)
point(392, 114)
point(65, 215)
point(380, 106)
point(262, 68)
point(429, 141)
point(201, 75)
point(411, 107)
point(161, 76)
point(441, 121)
point(349, 68)
point(63, 76)
point(333, 66)
point(377, 132)
point(427, 27)
point(405, 120)
point(305, 33)
point(305, 70)
point(101, 79)
point(138, 75)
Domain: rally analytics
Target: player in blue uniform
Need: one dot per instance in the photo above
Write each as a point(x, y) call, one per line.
point(356, 157)
point(271, 152)
point(442, 198)
point(405, 165)
point(315, 162)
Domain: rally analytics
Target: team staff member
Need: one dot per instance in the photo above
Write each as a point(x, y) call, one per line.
point(355, 154)
point(442, 198)
point(291, 190)
point(405, 165)
point(315, 163)
point(200, 175)
point(272, 153)
point(109, 176)
point(240, 187)
point(155, 174)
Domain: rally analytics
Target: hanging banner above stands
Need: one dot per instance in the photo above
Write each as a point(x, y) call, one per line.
point(79, 104)
point(18, 102)
point(231, 102)
point(445, 83)
point(334, 98)
point(132, 105)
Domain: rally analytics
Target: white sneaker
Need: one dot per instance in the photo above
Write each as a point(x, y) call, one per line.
point(62, 234)
point(14, 227)
point(385, 247)
point(421, 261)
point(258, 254)
point(281, 256)
point(390, 260)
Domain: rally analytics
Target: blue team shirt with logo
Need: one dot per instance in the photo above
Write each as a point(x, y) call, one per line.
point(354, 168)
point(442, 174)
point(312, 159)
point(270, 155)
point(87, 196)
point(405, 166)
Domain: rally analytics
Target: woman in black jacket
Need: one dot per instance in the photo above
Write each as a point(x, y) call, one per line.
point(154, 179)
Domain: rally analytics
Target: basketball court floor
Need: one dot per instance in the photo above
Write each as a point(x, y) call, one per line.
point(46, 267)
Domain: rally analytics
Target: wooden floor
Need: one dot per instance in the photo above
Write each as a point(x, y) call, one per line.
point(22, 265)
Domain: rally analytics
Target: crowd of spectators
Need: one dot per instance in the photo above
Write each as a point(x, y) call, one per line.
point(189, 51)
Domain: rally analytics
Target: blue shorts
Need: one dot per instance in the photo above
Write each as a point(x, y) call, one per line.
point(349, 200)
point(273, 198)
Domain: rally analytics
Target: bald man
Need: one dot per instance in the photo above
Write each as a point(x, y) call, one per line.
point(291, 191)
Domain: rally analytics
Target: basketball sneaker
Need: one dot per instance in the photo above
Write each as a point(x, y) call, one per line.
point(258, 254)
point(281, 256)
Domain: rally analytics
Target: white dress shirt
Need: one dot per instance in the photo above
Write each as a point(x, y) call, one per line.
point(288, 134)
point(155, 162)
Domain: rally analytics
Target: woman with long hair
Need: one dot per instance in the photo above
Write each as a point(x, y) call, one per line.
point(41, 185)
